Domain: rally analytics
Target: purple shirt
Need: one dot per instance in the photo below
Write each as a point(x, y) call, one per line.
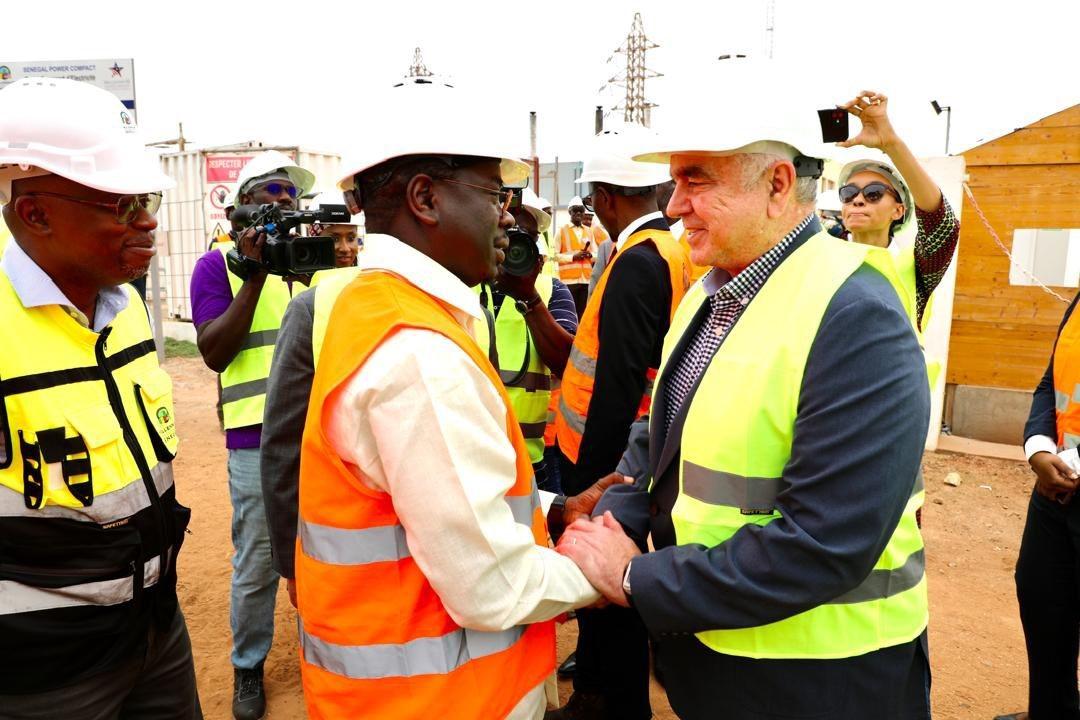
point(210, 298)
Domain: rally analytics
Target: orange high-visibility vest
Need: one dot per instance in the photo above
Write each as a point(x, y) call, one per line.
point(575, 271)
point(580, 375)
point(599, 234)
point(1067, 383)
point(375, 639)
point(695, 271)
point(553, 407)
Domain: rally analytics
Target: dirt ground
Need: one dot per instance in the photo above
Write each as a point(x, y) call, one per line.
point(972, 536)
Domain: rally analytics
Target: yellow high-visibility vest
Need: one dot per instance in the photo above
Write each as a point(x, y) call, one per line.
point(737, 440)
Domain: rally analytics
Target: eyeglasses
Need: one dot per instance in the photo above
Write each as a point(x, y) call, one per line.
point(873, 192)
point(505, 195)
point(126, 207)
point(276, 188)
point(587, 202)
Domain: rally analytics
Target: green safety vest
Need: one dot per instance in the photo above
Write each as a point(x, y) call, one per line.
point(529, 388)
point(327, 286)
point(243, 384)
point(905, 270)
point(736, 443)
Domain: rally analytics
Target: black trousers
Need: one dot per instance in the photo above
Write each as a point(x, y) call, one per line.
point(580, 293)
point(613, 644)
point(613, 660)
point(888, 684)
point(1048, 590)
point(158, 684)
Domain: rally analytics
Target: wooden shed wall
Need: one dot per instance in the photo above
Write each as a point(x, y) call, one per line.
point(1002, 334)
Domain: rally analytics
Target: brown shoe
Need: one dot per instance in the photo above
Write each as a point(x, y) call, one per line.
point(580, 706)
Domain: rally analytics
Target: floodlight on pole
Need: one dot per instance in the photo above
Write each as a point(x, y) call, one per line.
point(947, 109)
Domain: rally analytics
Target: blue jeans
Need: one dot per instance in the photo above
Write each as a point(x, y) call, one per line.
point(254, 581)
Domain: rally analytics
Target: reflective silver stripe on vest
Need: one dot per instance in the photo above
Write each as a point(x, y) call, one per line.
point(531, 381)
point(1061, 400)
point(423, 656)
point(881, 584)
point(749, 494)
point(1076, 393)
point(533, 431)
point(1071, 441)
point(575, 421)
point(344, 546)
point(15, 597)
point(582, 362)
point(385, 543)
point(260, 338)
point(116, 505)
point(523, 507)
point(240, 391)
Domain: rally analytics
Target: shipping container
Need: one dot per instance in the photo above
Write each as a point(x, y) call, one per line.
point(193, 214)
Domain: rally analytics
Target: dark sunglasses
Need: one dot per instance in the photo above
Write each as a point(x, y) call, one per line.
point(873, 192)
point(126, 207)
point(276, 188)
point(587, 202)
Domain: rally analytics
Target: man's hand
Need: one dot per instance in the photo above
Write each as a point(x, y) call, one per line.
point(580, 506)
point(582, 255)
point(872, 110)
point(290, 585)
point(1054, 479)
point(521, 288)
point(602, 550)
point(250, 244)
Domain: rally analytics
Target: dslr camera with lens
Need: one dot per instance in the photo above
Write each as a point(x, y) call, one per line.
point(522, 254)
point(286, 253)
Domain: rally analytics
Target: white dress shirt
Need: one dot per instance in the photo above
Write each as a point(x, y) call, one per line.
point(420, 421)
point(35, 288)
point(633, 228)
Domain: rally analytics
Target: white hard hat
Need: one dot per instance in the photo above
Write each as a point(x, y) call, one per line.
point(432, 118)
point(746, 108)
point(271, 161)
point(531, 202)
point(888, 172)
point(575, 202)
point(333, 198)
point(611, 161)
point(544, 202)
point(77, 131)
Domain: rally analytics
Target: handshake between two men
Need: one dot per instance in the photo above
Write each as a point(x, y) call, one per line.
point(598, 545)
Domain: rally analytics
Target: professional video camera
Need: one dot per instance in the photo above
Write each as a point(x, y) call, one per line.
point(283, 252)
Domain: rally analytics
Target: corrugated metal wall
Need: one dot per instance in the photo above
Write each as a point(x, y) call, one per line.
point(185, 230)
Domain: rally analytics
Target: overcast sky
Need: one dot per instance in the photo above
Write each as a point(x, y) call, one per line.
point(294, 73)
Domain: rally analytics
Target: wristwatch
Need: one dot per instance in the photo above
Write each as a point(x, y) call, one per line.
point(555, 520)
point(526, 306)
point(626, 580)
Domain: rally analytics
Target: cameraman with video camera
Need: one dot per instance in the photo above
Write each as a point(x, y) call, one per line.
point(237, 307)
point(534, 324)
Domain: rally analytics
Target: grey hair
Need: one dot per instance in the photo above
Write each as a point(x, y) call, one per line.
point(754, 166)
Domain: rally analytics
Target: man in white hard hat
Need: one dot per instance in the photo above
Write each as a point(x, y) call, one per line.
point(534, 324)
point(90, 526)
point(425, 584)
point(574, 249)
point(236, 321)
point(776, 474)
point(606, 387)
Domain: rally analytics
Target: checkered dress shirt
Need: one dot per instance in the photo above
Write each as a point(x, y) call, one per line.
point(726, 305)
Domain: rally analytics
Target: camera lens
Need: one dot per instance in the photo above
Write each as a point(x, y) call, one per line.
point(521, 255)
